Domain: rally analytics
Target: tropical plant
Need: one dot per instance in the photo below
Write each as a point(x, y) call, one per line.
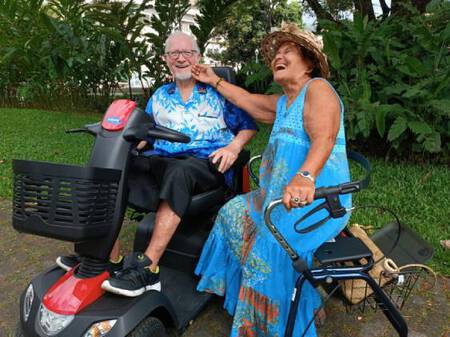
point(394, 76)
point(212, 15)
point(168, 18)
point(65, 53)
point(337, 10)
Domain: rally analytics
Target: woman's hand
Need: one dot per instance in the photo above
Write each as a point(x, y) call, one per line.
point(299, 192)
point(205, 74)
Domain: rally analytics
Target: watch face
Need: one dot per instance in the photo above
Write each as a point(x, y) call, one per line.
point(306, 173)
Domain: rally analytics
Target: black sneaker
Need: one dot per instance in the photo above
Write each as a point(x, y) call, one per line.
point(68, 262)
point(135, 278)
point(115, 267)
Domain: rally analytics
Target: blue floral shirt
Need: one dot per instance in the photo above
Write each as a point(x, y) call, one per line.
point(206, 117)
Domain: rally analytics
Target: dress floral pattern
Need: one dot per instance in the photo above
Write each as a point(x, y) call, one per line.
point(243, 262)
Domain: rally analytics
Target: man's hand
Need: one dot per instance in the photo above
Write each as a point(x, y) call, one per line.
point(205, 74)
point(141, 145)
point(299, 192)
point(228, 156)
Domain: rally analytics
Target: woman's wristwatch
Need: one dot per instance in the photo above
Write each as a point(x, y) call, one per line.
point(307, 175)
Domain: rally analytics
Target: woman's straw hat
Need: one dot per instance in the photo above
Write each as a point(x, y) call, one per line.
point(289, 32)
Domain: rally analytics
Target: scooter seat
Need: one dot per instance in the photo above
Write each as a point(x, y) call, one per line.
point(142, 196)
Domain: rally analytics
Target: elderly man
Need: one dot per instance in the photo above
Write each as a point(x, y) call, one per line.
point(218, 131)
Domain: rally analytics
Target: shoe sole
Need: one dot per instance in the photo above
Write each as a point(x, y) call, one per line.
point(130, 293)
point(62, 265)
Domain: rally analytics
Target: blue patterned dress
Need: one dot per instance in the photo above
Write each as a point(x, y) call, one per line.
point(243, 262)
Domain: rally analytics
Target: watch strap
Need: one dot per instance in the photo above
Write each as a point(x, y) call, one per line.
point(306, 175)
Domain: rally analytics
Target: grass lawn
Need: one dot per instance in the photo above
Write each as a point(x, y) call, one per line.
point(417, 193)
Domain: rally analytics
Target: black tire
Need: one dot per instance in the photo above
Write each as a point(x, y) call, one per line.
point(149, 327)
point(19, 331)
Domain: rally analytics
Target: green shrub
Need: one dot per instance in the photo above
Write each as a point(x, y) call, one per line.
point(394, 76)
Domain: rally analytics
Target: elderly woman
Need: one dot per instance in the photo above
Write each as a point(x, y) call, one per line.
point(241, 260)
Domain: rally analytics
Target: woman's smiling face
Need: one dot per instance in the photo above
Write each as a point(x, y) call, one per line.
point(289, 63)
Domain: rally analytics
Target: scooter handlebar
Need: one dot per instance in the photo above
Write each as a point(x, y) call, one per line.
point(162, 132)
point(76, 130)
point(92, 129)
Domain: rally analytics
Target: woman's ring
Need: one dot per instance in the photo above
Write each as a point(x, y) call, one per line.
point(295, 200)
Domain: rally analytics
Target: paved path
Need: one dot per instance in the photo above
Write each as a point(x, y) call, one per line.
point(22, 256)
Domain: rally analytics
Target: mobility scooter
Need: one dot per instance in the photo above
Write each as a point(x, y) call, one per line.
point(86, 205)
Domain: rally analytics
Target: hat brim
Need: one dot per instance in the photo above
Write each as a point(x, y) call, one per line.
point(271, 43)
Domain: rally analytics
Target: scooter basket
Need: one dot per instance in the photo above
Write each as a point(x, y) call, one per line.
point(64, 202)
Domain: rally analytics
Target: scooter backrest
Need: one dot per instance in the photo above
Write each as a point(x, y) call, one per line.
point(227, 73)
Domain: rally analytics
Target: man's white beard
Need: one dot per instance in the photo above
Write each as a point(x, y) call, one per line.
point(184, 76)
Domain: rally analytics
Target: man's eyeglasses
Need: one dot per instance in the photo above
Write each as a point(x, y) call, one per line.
point(176, 53)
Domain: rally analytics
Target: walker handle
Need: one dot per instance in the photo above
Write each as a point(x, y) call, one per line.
point(320, 193)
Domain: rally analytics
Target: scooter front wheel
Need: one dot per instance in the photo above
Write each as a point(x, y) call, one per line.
point(149, 327)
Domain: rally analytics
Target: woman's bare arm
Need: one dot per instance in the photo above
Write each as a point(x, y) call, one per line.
point(321, 120)
point(260, 107)
point(321, 117)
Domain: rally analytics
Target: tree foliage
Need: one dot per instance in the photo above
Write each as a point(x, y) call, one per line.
point(336, 10)
point(168, 18)
point(66, 54)
point(212, 14)
point(250, 21)
point(395, 78)
point(393, 75)
point(63, 53)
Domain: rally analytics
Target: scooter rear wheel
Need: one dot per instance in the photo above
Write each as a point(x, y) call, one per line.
point(19, 331)
point(149, 327)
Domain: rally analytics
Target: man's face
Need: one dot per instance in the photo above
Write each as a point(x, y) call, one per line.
point(180, 57)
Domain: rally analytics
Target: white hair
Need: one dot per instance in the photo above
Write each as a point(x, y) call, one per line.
point(177, 34)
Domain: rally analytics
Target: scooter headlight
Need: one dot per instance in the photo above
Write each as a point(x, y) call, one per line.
point(52, 323)
point(100, 329)
point(28, 302)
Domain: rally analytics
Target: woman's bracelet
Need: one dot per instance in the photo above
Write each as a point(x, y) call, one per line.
point(218, 82)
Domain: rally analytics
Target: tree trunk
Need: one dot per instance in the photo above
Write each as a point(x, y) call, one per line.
point(421, 5)
point(364, 7)
point(398, 9)
point(320, 12)
point(384, 8)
